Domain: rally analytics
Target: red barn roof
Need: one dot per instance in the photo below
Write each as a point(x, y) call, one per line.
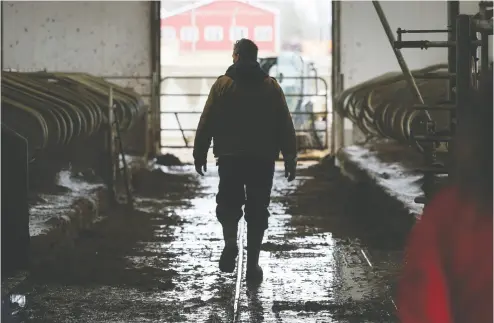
point(203, 3)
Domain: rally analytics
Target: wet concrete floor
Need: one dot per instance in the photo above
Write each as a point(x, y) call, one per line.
point(159, 262)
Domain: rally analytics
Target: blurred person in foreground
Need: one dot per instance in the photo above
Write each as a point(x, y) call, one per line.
point(448, 271)
point(247, 117)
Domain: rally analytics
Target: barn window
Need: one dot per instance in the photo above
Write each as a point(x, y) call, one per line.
point(189, 34)
point(238, 32)
point(168, 33)
point(263, 33)
point(213, 33)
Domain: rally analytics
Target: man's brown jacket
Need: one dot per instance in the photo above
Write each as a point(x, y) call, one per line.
point(246, 114)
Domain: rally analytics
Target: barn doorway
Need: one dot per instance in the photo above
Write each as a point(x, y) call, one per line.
point(294, 43)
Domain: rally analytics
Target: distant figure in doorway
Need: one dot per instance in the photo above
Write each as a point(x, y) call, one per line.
point(247, 117)
point(448, 273)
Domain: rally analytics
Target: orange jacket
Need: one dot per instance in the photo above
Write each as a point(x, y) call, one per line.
point(448, 271)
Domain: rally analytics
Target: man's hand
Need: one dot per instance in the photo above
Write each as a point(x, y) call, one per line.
point(200, 165)
point(290, 169)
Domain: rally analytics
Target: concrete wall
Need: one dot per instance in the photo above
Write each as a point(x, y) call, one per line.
point(101, 37)
point(366, 52)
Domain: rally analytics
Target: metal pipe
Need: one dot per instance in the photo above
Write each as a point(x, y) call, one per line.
point(1, 32)
point(463, 67)
point(206, 94)
point(303, 72)
point(199, 112)
point(440, 107)
point(484, 4)
point(383, 106)
point(437, 75)
point(484, 39)
point(401, 61)
point(453, 12)
point(340, 119)
point(483, 25)
point(422, 31)
point(335, 68)
point(130, 199)
point(111, 150)
point(429, 138)
point(153, 115)
point(425, 44)
point(195, 130)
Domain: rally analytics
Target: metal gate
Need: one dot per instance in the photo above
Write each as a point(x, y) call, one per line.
point(183, 98)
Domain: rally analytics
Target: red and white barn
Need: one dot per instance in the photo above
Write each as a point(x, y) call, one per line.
point(214, 25)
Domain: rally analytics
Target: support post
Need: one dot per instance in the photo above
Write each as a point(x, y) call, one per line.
point(399, 56)
point(340, 120)
point(110, 149)
point(463, 68)
point(335, 69)
point(453, 12)
point(154, 113)
point(15, 208)
point(484, 43)
point(1, 33)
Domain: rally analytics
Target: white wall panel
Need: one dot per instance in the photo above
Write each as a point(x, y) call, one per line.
point(98, 37)
point(366, 52)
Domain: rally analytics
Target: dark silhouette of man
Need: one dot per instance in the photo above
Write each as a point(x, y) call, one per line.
point(247, 118)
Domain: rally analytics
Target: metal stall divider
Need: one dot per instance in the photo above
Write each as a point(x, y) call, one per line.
point(461, 69)
point(112, 161)
point(114, 143)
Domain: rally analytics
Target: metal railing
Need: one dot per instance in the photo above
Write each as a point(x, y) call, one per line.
point(409, 107)
point(304, 114)
point(380, 109)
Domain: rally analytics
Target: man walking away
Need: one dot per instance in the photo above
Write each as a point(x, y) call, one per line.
point(247, 118)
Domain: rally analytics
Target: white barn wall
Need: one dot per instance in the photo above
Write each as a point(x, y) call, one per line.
point(366, 51)
point(97, 37)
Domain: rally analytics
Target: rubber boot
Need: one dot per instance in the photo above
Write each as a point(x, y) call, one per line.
point(254, 241)
point(230, 251)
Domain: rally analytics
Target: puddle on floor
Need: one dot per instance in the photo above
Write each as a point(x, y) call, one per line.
point(160, 264)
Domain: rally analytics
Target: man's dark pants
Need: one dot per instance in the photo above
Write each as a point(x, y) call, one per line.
point(244, 181)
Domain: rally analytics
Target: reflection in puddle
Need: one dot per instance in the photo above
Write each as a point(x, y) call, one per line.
point(309, 274)
point(20, 300)
point(296, 268)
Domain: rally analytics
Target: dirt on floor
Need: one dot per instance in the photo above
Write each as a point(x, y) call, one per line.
point(355, 212)
point(120, 232)
point(159, 261)
point(358, 210)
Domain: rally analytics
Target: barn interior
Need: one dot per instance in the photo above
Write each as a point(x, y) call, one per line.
point(103, 216)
